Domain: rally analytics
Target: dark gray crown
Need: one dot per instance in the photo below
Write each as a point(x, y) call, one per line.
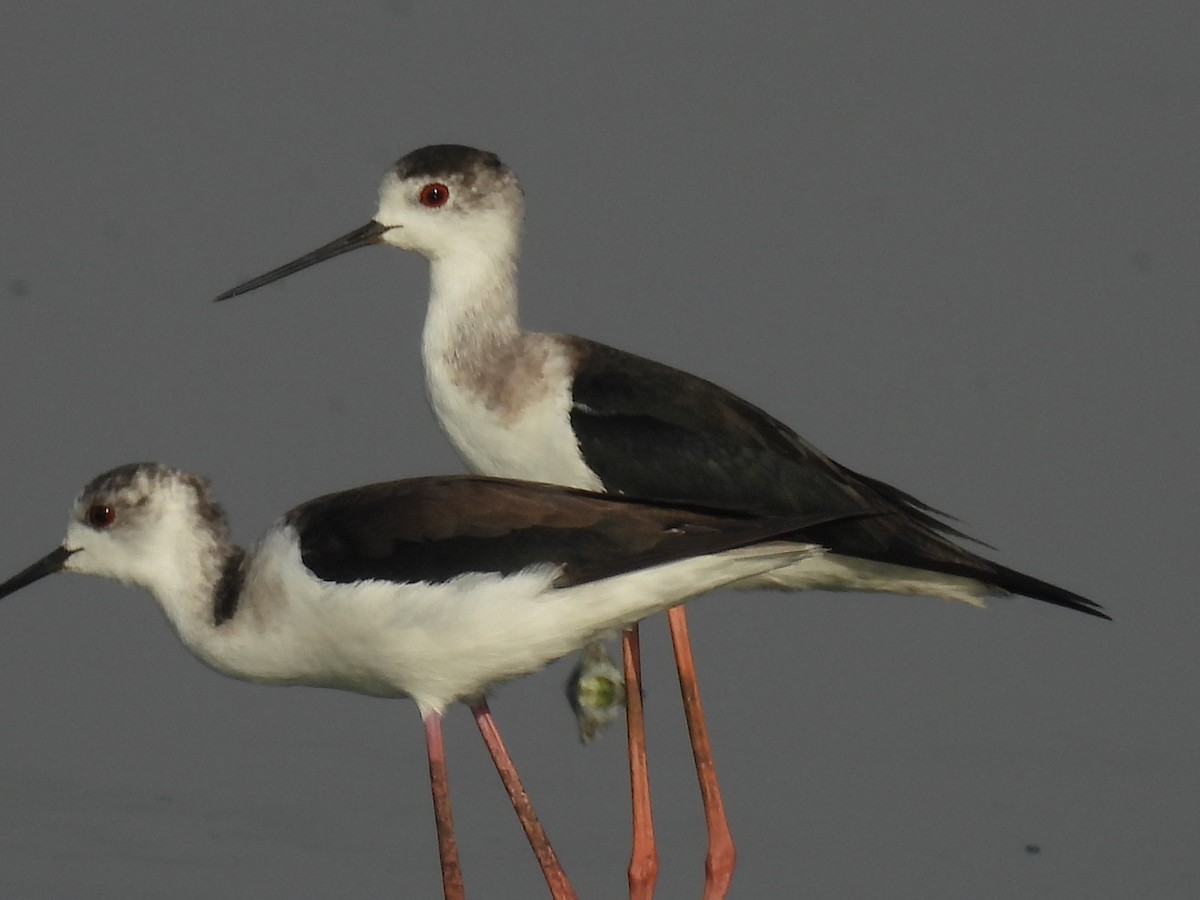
point(442, 160)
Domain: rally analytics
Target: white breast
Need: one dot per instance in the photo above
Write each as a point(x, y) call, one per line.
point(520, 429)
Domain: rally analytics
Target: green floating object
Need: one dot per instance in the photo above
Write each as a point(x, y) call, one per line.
point(596, 691)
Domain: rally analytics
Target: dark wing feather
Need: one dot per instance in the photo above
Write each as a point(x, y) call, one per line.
point(435, 529)
point(648, 430)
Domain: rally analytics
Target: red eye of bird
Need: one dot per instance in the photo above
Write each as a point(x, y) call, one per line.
point(434, 195)
point(101, 516)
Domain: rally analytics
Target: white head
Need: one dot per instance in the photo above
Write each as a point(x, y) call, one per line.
point(144, 524)
point(441, 201)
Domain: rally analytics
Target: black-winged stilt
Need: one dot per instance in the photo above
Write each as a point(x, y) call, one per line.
point(431, 588)
point(563, 409)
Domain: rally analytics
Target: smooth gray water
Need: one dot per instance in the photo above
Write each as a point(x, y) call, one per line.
point(955, 245)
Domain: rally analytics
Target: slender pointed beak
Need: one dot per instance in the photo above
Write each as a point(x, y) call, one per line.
point(49, 564)
point(371, 233)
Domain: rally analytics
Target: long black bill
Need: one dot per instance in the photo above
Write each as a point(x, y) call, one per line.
point(359, 237)
point(49, 564)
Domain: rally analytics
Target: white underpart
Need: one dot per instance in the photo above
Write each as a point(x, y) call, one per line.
point(437, 643)
point(448, 642)
point(834, 572)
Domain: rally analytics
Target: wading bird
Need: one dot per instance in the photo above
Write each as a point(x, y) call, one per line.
point(566, 410)
point(430, 588)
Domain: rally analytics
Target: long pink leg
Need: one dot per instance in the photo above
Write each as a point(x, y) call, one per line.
point(452, 881)
point(643, 861)
point(552, 870)
point(721, 858)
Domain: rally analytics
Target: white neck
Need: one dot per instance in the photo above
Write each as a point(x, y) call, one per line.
point(184, 582)
point(472, 305)
point(501, 395)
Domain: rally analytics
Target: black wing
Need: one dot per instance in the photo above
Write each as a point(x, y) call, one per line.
point(648, 430)
point(435, 529)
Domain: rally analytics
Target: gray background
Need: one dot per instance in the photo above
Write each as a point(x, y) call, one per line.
point(954, 244)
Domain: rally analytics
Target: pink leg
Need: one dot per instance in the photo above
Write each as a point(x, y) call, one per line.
point(556, 878)
point(643, 862)
point(452, 882)
point(721, 858)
